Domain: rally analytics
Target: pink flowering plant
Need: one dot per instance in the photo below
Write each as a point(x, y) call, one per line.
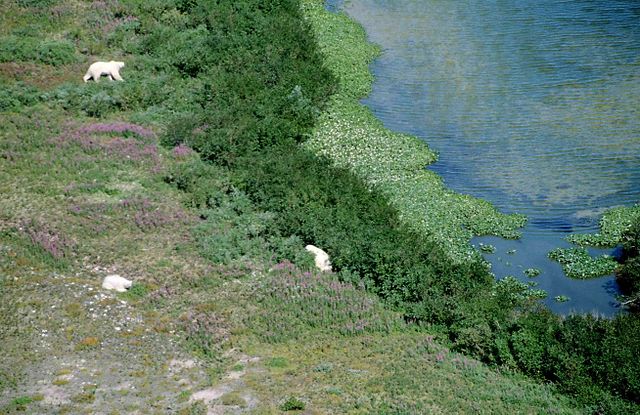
point(115, 140)
point(294, 301)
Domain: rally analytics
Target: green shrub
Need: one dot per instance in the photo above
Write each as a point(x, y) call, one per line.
point(100, 104)
point(135, 292)
point(31, 49)
point(628, 276)
point(14, 48)
point(234, 232)
point(205, 185)
point(56, 53)
point(181, 130)
point(188, 51)
point(17, 95)
point(293, 404)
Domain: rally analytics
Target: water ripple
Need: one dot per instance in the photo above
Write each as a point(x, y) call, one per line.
point(534, 106)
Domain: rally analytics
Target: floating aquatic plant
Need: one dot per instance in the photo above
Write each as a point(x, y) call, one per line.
point(487, 248)
point(577, 263)
point(531, 272)
point(613, 225)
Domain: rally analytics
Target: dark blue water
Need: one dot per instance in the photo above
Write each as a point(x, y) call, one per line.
point(532, 105)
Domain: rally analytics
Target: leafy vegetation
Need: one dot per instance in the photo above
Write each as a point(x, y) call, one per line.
point(531, 272)
point(613, 225)
point(577, 263)
point(292, 404)
point(628, 275)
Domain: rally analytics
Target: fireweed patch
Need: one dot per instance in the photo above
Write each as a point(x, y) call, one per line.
point(181, 151)
point(294, 301)
point(123, 141)
point(140, 211)
point(48, 239)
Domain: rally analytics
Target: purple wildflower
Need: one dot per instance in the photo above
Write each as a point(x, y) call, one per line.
point(117, 127)
point(181, 151)
point(47, 239)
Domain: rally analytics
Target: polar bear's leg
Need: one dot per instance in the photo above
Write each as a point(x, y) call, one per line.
point(116, 75)
point(87, 76)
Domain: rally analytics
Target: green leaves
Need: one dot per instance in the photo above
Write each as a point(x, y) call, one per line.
point(577, 263)
point(613, 224)
point(30, 49)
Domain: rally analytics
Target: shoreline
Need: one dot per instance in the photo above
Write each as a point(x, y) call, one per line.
point(397, 164)
point(352, 137)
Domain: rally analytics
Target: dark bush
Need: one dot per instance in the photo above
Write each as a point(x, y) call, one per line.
point(206, 185)
point(36, 3)
point(31, 49)
point(17, 95)
point(21, 49)
point(56, 53)
point(628, 275)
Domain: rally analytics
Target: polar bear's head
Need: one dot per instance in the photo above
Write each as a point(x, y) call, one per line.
point(118, 64)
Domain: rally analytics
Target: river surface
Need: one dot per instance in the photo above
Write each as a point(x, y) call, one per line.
point(532, 105)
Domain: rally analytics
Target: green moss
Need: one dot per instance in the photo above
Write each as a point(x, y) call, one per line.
point(136, 292)
point(277, 362)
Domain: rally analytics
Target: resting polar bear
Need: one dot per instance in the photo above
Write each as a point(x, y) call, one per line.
point(111, 69)
point(322, 258)
point(116, 282)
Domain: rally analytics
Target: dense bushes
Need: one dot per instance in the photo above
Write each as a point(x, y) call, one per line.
point(628, 275)
point(584, 355)
point(17, 95)
point(31, 49)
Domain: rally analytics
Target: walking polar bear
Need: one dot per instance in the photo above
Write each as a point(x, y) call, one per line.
point(111, 69)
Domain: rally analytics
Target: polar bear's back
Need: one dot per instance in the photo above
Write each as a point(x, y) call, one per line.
point(106, 65)
point(100, 68)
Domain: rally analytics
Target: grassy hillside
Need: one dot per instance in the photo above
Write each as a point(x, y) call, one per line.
point(191, 179)
point(90, 198)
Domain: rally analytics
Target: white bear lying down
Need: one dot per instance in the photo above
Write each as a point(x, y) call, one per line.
point(111, 69)
point(117, 283)
point(322, 258)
